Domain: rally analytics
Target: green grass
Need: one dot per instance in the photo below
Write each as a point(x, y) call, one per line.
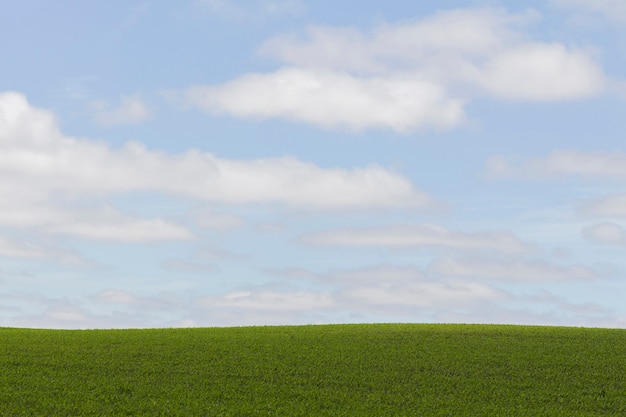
point(336, 370)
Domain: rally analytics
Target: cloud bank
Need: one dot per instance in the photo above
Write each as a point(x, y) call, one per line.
point(40, 159)
point(46, 177)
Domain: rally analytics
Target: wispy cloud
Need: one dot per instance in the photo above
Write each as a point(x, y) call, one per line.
point(605, 233)
point(560, 164)
point(613, 205)
point(78, 87)
point(379, 292)
point(109, 224)
point(610, 9)
point(131, 110)
point(511, 270)
point(16, 249)
point(252, 9)
point(427, 235)
point(179, 265)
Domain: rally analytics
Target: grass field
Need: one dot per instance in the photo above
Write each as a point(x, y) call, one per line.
point(330, 370)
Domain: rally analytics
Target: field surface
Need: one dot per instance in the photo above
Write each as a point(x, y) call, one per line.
point(330, 370)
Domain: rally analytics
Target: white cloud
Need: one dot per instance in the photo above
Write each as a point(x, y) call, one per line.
point(131, 110)
point(425, 295)
point(66, 314)
point(405, 76)
point(38, 160)
point(15, 249)
point(116, 297)
point(209, 219)
point(376, 293)
point(100, 224)
point(139, 304)
point(331, 100)
point(109, 224)
point(385, 275)
point(48, 182)
point(446, 37)
point(605, 233)
point(271, 300)
point(476, 49)
point(402, 287)
point(609, 206)
point(178, 265)
point(511, 270)
point(394, 289)
point(421, 236)
point(19, 247)
point(541, 72)
point(612, 9)
point(562, 163)
point(216, 253)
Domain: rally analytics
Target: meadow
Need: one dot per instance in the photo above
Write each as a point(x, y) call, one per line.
point(325, 370)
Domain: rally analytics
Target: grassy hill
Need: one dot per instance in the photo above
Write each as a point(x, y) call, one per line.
point(330, 370)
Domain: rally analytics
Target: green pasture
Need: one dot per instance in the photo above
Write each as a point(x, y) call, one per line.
point(330, 370)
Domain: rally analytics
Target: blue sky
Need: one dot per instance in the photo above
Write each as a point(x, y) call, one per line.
point(216, 163)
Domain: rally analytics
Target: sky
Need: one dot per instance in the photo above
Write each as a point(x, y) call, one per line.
point(265, 162)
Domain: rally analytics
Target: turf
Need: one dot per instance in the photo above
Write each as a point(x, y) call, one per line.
point(330, 370)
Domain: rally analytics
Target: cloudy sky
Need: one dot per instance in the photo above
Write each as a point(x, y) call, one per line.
point(218, 162)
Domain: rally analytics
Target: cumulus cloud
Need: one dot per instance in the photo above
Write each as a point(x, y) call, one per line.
point(48, 182)
point(481, 49)
point(511, 270)
point(605, 233)
point(405, 76)
point(131, 110)
point(541, 72)
point(562, 163)
point(37, 160)
point(420, 236)
point(445, 37)
point(330, 99)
